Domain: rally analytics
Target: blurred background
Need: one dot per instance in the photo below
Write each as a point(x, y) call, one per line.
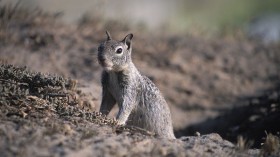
point(260, 19)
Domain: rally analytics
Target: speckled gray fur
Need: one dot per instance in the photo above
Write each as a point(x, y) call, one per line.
point(140, 102)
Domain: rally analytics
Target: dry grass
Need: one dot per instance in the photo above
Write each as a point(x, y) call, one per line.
point(15, 19)
point(271, 146)
point(243, 144)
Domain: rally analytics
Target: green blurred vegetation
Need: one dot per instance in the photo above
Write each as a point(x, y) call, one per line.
point(218, 16)
point(201, 16)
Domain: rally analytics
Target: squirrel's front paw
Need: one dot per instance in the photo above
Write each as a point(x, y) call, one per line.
point(120, 122)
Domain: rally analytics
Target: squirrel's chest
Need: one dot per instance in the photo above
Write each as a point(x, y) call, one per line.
point(116, 85)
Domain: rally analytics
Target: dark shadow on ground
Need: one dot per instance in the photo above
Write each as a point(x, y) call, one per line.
point(253, 119)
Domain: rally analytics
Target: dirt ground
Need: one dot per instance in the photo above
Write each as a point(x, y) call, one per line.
point(223, 92)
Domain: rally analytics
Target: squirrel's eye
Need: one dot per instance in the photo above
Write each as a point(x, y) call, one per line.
point(119, 50)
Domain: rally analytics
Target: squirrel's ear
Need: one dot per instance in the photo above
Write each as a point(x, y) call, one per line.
point(108, 35)
point(127, 40)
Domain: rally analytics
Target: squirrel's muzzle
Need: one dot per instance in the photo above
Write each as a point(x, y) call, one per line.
point(101, 59)
point(104, 62)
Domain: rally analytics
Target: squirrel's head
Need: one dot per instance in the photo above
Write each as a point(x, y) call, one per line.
point(115, 55)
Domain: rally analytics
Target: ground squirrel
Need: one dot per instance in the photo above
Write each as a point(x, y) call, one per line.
point(140, 102)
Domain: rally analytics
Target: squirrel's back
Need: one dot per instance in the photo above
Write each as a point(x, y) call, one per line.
point(152, 111)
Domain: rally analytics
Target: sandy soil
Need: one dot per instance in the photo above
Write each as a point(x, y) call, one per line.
point(222, 88)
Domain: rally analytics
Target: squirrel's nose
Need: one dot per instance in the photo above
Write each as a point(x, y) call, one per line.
point(101, 58)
